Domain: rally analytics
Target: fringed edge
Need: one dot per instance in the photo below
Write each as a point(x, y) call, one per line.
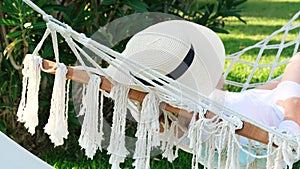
point(91, 132)
point(116, 148)
point(169, 139)
point(29, 104)
point(285, 154)
point(290, 153)
point(209, 139)
point(147, 131)
point(57, 126)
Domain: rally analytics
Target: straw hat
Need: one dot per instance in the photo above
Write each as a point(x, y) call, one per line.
point(184, 51)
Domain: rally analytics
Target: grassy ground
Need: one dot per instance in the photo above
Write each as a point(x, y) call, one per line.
point(262, 17)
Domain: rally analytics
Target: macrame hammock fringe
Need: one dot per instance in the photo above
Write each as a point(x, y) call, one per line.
point(213, 142)
point(92, 126)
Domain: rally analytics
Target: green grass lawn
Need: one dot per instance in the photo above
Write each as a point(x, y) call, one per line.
point(262, 17)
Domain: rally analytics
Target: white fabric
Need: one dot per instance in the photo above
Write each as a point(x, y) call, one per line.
point(14, 156)
point(289, 126)
point(261, 105)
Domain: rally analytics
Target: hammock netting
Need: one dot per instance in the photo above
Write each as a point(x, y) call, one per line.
point(214, 142)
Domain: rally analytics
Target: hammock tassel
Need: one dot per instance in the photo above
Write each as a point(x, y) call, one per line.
point(57, 126)
point(29, 104)
point(116, 148)
point(147, 132)
point(232, 150)
point(91, 132)
point(167, 139)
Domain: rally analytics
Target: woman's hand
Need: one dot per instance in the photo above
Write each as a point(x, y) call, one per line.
point(291, 108)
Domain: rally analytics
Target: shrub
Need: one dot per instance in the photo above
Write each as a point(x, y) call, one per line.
point(22, 28)
point(208, 13)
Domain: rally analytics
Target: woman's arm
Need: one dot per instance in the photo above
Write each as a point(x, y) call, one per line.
point(270, 85)
point(291, 122)
point(291, 108)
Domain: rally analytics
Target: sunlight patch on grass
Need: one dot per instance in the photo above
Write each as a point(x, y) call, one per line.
point(258, 37)
point(251, 20)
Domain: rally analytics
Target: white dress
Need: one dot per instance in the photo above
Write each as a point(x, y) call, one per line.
point(260, 105)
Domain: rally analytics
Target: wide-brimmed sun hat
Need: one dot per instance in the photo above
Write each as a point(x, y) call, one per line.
point(187, 52)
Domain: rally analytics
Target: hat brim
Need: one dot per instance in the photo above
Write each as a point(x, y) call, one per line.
point(204, 72)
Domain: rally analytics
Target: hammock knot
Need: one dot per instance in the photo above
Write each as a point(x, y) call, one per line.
point(51, 26)
point(68, 31)
point(82, 38)
point(47, 18)
point(237, 122)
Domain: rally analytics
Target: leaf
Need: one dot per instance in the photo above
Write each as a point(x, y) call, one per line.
point(8, 7)
point(11, 46)
point(3, 86)
point(40, 2)
point(83, 17)
point(8, 22)
point(137, 5)
point(219, 30)
point(2, 73)
point(108, 2)
point(39, 25)
point(14, 34)
point(67, 19)
point(14, 92)
point(234, 14)
point(56, 8)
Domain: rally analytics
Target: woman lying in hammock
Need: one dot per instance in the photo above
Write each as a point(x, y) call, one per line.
point(200, 54)
point(275, 104)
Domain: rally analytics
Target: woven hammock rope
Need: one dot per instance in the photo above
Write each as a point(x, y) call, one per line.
point(212, 142)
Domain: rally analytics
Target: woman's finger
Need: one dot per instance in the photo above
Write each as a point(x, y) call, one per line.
point(280, 103)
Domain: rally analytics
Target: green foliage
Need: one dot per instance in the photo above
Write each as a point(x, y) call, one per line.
point(10, 67)
point(22, 28)
point(211, 14)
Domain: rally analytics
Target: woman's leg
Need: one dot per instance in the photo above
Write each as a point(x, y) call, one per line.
point(291, 73)
point(291, 105)
point(292, 70)
point(291, 108)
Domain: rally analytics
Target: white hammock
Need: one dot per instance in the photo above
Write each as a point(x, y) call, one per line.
point(220, 150)
point(11, 151)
